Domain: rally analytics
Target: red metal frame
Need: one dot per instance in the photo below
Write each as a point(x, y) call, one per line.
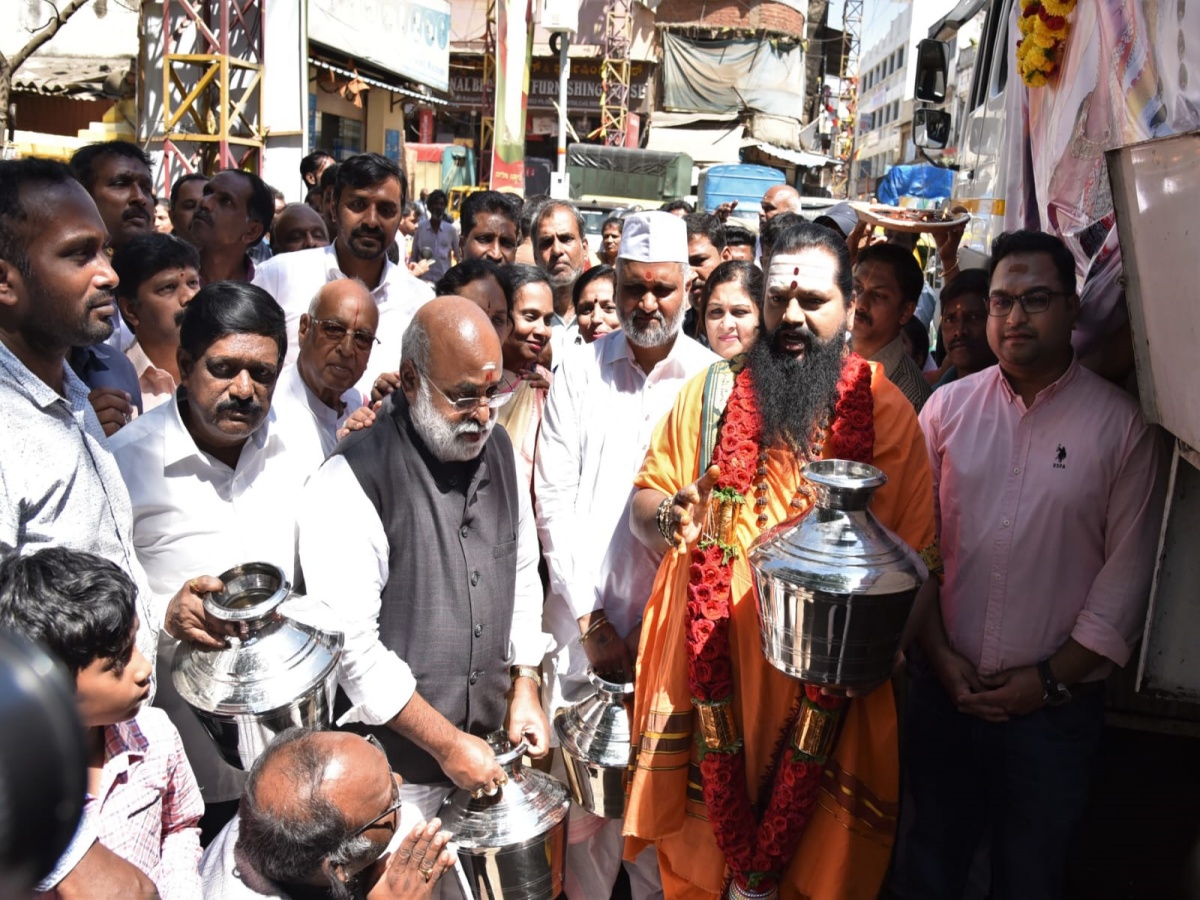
point(212, 97)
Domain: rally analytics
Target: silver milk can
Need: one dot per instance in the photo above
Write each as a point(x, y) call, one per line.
point(835, 587)
point(595, 741)
point(513, 844)
point(281, 675)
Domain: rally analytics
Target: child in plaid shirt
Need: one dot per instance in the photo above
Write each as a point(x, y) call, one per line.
point(142, 800)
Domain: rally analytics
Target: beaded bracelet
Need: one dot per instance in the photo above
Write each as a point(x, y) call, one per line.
point(665, 527)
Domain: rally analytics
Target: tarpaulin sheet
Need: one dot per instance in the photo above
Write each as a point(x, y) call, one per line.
point(921, 182)
point(726, 76)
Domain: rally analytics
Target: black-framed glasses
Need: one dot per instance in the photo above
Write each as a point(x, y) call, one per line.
point(395, 804)
point(494, 400)
point(335, 331)
point(1000, 304)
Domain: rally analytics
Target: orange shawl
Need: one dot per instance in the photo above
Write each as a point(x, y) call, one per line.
point(844, 852)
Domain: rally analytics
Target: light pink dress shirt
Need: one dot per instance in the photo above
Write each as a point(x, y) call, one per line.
point(148, 807)
point(1048, 517)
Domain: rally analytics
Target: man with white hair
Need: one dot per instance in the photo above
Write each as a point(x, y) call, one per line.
point(430, 565)
point(314, 397)
point(585, 467)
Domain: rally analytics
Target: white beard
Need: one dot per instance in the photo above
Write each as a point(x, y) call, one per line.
point(657, 335)
point(442, 437)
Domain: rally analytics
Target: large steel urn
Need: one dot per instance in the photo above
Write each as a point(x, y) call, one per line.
point(282, 674)
point(594, 739)
point(835, 587)
point(513, 844)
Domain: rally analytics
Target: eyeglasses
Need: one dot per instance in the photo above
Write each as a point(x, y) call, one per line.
point(1031, 302)
point(494, 400)
point(335, 331)
point(395, 804)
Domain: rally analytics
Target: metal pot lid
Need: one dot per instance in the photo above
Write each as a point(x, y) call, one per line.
point(597, 730)
point(530, 804)
point(280, 661)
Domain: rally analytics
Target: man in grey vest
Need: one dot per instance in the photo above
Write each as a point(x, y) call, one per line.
point(419, 536)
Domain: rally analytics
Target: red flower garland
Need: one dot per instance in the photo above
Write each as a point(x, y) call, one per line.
point(758, 849)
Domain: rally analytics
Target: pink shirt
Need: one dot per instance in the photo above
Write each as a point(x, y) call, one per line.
point(1048, 517)
point(148, 807)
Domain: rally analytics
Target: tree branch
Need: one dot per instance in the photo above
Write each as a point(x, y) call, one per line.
point(50, 30)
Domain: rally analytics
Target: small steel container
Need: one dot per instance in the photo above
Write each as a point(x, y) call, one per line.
point(513, 844)
point(835, 587)
point(283, 674)
point(595, 741)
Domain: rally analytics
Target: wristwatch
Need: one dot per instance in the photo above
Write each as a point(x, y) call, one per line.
point(1055, 693)
point(526, 672)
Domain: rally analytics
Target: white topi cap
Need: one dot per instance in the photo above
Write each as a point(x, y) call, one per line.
point(653, 237)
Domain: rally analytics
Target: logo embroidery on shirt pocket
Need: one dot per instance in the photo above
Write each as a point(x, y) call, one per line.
point(1060, 457)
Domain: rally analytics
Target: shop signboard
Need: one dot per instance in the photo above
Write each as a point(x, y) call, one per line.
point(408, 37)
point(584, 89)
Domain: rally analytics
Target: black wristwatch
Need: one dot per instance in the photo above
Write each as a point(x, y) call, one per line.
point(1055, 692)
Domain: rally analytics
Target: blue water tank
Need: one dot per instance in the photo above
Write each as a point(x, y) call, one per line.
point(741, 182)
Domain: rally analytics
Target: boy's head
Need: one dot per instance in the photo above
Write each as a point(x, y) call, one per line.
point(81, 608)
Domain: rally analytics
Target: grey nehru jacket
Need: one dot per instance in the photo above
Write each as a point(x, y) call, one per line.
point(447, 606)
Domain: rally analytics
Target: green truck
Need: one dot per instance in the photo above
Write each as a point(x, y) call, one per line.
point(623, 176)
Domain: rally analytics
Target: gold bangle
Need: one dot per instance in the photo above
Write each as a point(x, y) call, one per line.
point(595, 625)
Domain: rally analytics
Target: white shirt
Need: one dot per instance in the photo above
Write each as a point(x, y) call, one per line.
point(307, 424)
point(222, 875)
point(563, 339)
point(192, 516)
point(293, 279)
point(346, 568)
point(599, 418)
point(157, 384)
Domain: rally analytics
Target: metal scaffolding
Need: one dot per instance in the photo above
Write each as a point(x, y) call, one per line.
point(852, 19)
point(614, 72)
point(212, 86)
point(487, 102)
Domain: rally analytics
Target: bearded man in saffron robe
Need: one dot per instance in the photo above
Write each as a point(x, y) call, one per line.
point(733, 804)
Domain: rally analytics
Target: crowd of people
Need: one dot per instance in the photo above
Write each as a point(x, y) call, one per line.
point(318, 386)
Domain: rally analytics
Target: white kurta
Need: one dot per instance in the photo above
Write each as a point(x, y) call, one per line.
point(600, 415)
point(307, 424)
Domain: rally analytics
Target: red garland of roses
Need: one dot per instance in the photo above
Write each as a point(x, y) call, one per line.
point(756, 849)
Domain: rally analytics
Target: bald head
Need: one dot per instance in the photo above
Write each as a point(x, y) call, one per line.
point(306, 796)
point(298, 227)
point(448, 327)
point(782, 198)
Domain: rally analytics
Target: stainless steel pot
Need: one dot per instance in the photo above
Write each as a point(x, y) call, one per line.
point(835, 587)
point(595, 741)
point(512, 845)
point(282, 675)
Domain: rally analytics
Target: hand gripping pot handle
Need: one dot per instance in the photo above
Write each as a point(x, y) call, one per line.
point(248, 612)
point(512, 758)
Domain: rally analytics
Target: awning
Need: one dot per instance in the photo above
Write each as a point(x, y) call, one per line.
point(77, 77)
point(382, 85)
point(719, 144)
point(946, 27)
point(795, 157)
